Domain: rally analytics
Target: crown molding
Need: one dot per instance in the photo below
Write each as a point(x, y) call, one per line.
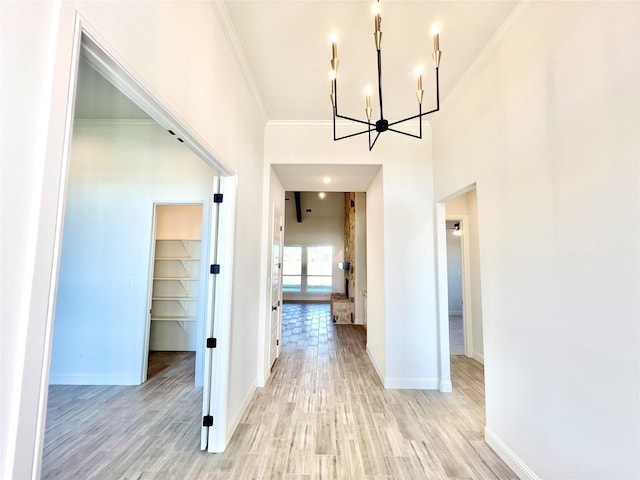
point(521, 7)
point(117, 121)
point(325, 123)
point(232, 38)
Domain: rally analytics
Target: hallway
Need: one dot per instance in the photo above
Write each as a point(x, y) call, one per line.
point(323, 415)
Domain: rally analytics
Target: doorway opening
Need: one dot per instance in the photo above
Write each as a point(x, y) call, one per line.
point(460, 290)
point(177, 293)
point(115, 169)
point(324, 253)
point(457, 337)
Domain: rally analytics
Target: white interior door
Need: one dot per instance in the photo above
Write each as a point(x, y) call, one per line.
point(276, 285)
point(207, 414)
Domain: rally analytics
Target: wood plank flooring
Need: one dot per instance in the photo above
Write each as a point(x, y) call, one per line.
point(323, 415)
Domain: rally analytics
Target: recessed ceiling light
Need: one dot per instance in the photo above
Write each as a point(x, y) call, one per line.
point(322, 194)
point(326, 180)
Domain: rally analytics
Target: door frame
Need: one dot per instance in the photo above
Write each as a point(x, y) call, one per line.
point(275, 208)
point(442, 288)
point(100, 55)
point(202, 285)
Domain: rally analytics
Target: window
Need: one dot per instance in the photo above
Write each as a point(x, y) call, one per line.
point(292, 269)
point(307, 269)
point(319, 269)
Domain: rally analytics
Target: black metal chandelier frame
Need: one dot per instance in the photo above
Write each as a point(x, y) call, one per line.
point(382, 125)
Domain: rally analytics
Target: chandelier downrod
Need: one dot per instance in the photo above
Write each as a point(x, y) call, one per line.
point(381, 125)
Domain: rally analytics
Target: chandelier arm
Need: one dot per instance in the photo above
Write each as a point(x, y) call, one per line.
point(413, 118)
point(404, 133)
point(334, 124)
point(374, 142)
point(352, 119)
point(380, 82)
point(420, 115)
point(355, 134)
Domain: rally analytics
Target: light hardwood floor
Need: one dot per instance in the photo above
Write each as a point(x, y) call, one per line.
point(323, 415)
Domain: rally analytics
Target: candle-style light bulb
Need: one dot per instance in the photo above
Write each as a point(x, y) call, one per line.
point(367, 110)
point(437, 54)
point(376, 16)
point(377, 33)
point(334, 54)
point(419, 91)
point(334, 45)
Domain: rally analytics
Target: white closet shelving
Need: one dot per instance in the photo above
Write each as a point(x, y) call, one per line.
point(175, 281)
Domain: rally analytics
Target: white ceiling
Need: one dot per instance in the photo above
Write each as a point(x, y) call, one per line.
point(287, 48)
point(98, 99)
point(308, 178)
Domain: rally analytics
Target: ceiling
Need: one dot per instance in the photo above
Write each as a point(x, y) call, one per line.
point(98, 99)
point(308, 178)
point(287, 47)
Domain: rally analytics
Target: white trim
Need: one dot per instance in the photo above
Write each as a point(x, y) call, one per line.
point(150, 272)
point(375, 365)
point(411, 383)
point(323, 123)
point(56, 251)
point(237, 416)
point(104, 59)
point(445, 386)
point(116, 121)
point(467, 313)
point(232, 38)
point(478, 357)
point(509, 456)
point(218, 437)
point(95, 379)
point(442, 297)
point(521, 7)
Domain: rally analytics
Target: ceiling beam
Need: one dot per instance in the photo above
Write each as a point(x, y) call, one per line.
point(298, 207)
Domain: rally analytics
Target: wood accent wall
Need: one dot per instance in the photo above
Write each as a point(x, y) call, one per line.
point(350, 240)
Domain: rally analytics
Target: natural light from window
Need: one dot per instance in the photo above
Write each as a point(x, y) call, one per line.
point(316, 277)
point(292, 269)
point(319, 268)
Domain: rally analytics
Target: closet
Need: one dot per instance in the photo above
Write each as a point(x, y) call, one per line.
point(176, 278)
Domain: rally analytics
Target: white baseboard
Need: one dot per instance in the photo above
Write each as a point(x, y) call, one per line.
point(375, 365)
point(411, 383)
point(509, 456)
point(407, 383)
point(94, 379)
point(446, 387)
point(478, 357)
point(237, 416)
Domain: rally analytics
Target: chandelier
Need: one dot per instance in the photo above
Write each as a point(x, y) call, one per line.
point(381, 125)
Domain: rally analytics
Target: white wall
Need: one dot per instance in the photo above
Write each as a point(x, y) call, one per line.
point(324, 226)
point(546, 122)
point(211, 98)
point(376, 304)
point(407, 209)
point(118, 170)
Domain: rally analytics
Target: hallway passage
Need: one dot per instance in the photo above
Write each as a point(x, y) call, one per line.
point(323, 415)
